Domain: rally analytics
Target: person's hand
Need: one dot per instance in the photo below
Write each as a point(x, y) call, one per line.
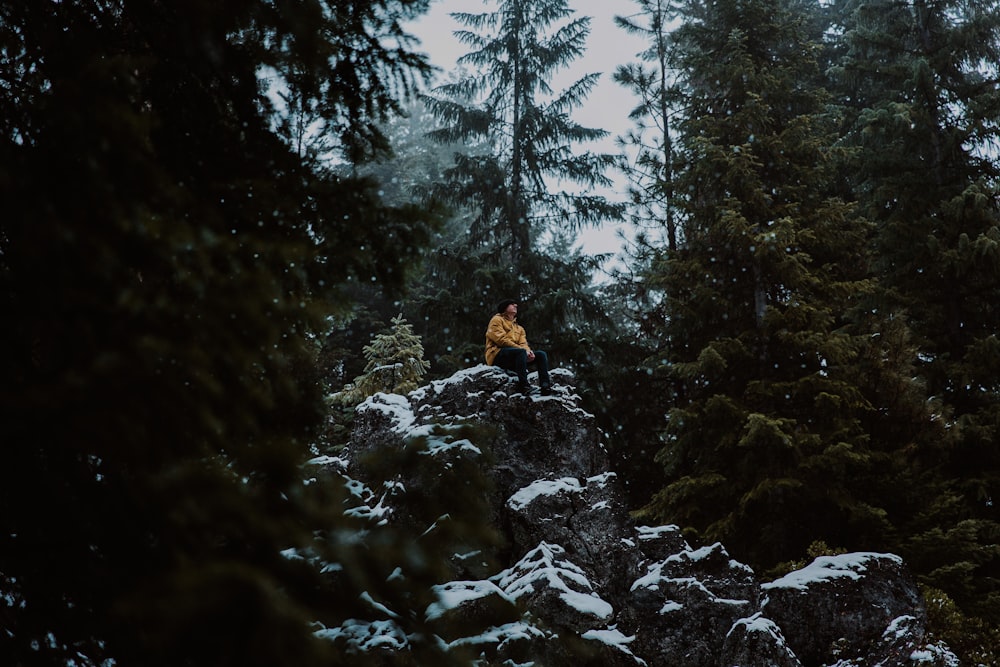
point(531, 355)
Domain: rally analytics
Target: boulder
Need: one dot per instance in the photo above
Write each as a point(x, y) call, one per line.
point(842, 608)
point(529, 437)
point(573, 581)
point(904, 642)
point(587, 518)
point(464, 606)
point(756, 642)
point(537, 436)
point(684, 606)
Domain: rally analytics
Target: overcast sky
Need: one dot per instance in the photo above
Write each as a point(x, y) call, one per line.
point(607, 47)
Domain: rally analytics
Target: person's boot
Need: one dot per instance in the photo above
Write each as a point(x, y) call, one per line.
point(523, 388)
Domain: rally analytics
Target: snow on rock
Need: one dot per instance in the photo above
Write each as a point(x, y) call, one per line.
point(496, 644)
point(686, 603)
point(829, 568)
point(757, 641)
point(455, 594)
point(547, 581)
point(587, 517)
point(463, 608)
point(572, 575)
point(903, 644)
point(660, 542)
point(543, 487)
point(709, 570)
point(614, 638)
point(365, 636)
point(842, 606)
point(395, 409)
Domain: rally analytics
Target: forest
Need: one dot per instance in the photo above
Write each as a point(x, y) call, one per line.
point(222, 223)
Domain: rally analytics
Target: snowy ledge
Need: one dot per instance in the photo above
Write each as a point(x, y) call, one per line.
point(551, 487)
point(395, 407)
point(829, 568)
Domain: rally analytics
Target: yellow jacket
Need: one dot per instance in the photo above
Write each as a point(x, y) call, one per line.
point(502, 333)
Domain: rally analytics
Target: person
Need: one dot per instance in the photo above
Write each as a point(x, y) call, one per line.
point(507, 347)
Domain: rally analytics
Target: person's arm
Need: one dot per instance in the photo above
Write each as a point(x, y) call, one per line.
point(523, 337)
point(524, 343)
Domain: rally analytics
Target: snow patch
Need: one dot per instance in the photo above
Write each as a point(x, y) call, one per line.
point(455, 593)
point(542, 487)
point(615, 638)
point(378, 606)
point(829, 568)
point(396, 408)
point(552, 487)
point(646, 533)
point(438, 386)
point(704, 553)
point(670, 606)
point(654, 577)
point(935, 654)
point(436, 446)
point(898, 627)
point(538, 568)
point(759, 625)
point(500, 635)
point(328, 461)
point(367, 635)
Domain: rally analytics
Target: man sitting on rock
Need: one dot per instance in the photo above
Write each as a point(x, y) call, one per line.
point(507, 347)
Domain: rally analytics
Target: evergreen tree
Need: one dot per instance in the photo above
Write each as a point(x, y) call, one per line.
point(395, 364)
point(764, 446)
point(507, 106)
point(650, 170)
point(918, 81)
point(520, 190)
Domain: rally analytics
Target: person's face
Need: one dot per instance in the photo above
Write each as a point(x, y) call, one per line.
point(511, 311)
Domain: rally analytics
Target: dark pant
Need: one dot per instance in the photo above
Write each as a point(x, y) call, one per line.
point(516, 359)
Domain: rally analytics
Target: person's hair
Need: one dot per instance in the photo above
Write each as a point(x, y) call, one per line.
point(502, 306)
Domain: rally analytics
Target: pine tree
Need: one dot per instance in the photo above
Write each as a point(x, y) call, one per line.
point(507, 105)
point(651, 206)
point(395, 364)
point(764, 445)
point(650, 172)
point(513, 232)
point(918, 81)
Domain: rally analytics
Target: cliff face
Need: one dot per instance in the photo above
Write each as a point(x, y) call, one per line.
point(572, 564)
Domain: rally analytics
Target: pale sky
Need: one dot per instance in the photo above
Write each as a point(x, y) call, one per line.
point(607, 47)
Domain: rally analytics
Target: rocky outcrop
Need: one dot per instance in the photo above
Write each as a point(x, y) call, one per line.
point(574, 566)
point(842, 605)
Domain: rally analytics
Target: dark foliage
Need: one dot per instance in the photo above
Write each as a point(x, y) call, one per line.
point(166, 258)
point(920, 99)
point(757, 274)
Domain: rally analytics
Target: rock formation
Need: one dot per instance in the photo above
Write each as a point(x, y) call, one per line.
point(574, 566)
